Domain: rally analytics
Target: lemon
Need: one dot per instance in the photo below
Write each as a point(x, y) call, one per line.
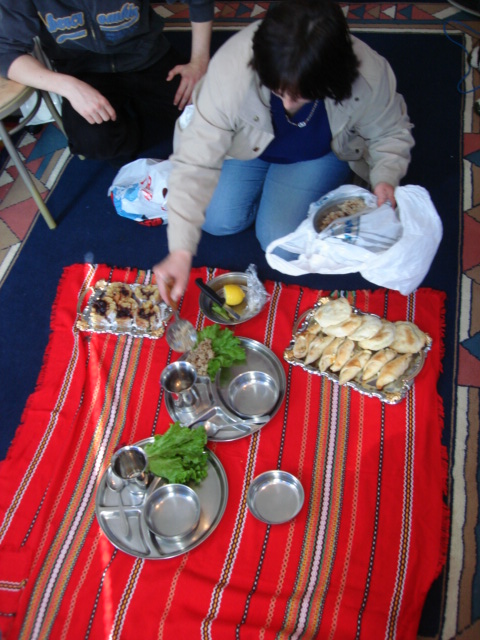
point(233, 294)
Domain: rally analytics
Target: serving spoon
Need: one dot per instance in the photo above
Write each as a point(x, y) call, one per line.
point(181, 335)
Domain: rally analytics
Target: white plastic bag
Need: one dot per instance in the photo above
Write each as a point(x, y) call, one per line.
point(389, 250)
point(139, 190)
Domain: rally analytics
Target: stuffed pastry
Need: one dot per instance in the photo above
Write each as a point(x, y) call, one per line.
point(344, 328)
point(393, 370)
point(382, 339)
point(354, 366)
point(317, 347)
point(333, 312)
point(103, 312)
point(344, 352)
point(376, 362)
point(369, 327)
point(408, 338)
point(126, 310)
point(329, 354)
point(302, 342)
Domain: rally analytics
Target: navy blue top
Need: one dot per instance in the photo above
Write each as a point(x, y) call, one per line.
point(294, 144)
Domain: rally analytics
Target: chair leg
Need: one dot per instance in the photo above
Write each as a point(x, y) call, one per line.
point(10, 147)
point(53, 111)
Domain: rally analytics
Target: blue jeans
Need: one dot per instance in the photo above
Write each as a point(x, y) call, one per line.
point(274, 196)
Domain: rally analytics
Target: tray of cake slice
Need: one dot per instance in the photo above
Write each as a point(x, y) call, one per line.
point(121, 308)
point(377, 357)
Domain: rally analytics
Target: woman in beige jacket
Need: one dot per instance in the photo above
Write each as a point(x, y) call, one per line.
point(288, 107)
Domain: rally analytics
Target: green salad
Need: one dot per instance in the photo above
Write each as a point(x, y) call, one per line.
point(179, 454)
point(226, 346)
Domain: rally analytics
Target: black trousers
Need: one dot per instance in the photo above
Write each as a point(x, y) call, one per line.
point(143, 101)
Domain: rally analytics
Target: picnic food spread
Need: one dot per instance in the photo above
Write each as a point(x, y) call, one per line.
point(376, 356)
point(117, 307)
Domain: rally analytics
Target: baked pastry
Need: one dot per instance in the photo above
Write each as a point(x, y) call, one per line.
point(383, 338)
point(302, 342)
point(354, 366)
point(376, 362)
point(369, 327)
point(103, 312)
point(333, 312)
point(344, 352)
point(147, 316)
point(408, 338)
point(317, 347)
point(149, 292)
point(126, 310)
point(345, 328)
point(393, 370)
point(329, 354)
point(119, 291)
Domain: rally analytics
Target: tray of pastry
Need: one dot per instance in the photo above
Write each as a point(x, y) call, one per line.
point(374, 356)
point(120, 308)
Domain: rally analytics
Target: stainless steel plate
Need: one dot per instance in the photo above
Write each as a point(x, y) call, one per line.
point(390, 394)
point(245, 310)
point(275, 497)
point(213, 406)
point(122, 519)
point(334, 206)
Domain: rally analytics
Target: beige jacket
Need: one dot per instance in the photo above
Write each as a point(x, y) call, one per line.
point(231, 119)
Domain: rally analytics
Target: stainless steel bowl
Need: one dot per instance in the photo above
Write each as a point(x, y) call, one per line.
point(172, 511)
point(275, 497)
point(245, 310)
point(252, 394)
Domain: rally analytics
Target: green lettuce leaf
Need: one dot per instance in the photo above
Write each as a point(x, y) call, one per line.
point(227, 348)
point(179, 454)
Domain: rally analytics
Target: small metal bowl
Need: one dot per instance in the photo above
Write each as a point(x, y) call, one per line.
point(243, 309)
point(172, 511)
point(252, 394)
point(275, 497)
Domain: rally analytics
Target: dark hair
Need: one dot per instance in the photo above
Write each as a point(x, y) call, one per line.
point(303, 48)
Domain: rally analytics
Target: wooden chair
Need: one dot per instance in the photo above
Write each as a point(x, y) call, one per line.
point(12, 96)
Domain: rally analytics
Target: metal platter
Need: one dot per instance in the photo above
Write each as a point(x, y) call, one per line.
point(85, 318)
point(275, 497)
point(390, 394)
point(246, 309)
point(121, 516)
point(213, 407)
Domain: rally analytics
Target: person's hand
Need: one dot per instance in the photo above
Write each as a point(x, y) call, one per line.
point(89, 102)
point(172, 275)
point(190, 74)
point(385, 193)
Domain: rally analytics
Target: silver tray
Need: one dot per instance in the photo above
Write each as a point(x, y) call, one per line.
point(121, 516)
point(213, 408)
point(245, 311)
point(85, 322)
point(391, 394)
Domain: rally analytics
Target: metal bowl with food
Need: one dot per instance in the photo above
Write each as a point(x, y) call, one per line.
point(247, 309)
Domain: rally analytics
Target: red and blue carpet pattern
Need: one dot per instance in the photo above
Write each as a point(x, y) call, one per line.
point(358, 560)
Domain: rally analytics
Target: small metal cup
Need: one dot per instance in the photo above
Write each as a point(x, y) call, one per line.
point(178, 379)
point(129, 467)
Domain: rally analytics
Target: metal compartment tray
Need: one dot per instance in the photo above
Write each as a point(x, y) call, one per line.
point(121, 517)
point(213, 407)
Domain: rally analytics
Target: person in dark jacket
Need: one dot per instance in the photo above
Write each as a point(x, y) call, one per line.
point(121, 81)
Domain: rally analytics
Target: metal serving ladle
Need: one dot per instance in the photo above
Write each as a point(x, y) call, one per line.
point(181, 335)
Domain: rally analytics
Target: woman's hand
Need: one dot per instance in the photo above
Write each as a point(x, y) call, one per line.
point(385, 193)
point(172, 275)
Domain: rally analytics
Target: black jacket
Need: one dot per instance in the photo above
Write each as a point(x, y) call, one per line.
point(88, 35)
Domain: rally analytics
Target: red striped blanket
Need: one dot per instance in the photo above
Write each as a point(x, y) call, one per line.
point(356, 562)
